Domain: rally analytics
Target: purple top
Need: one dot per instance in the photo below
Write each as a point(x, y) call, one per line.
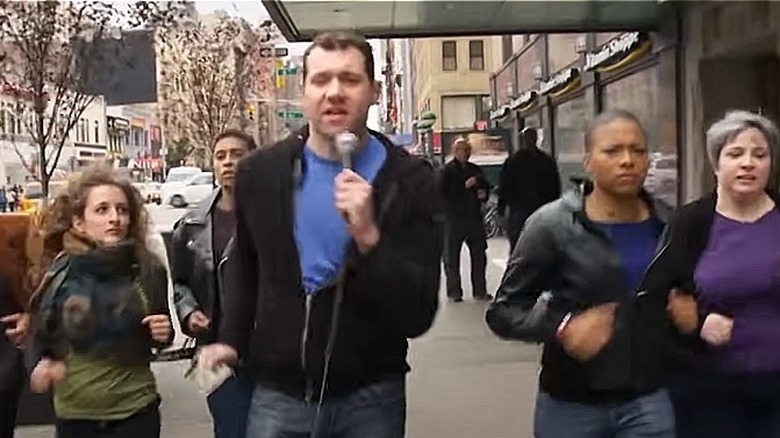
point(738, 275)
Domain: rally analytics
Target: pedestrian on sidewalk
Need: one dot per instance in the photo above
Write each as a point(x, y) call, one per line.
point(100, 310)
point(606, 355)
point(464, 189)
point(337, 262)
point(201, 250)
point(724, 250)
point(3, 200)
point(529, 179)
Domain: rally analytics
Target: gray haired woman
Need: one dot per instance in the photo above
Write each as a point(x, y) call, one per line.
point(722, 252)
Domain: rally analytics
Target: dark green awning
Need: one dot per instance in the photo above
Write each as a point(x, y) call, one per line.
point(300, 20)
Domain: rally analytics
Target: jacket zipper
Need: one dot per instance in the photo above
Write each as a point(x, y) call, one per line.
point(641, 291)
point(304, 342)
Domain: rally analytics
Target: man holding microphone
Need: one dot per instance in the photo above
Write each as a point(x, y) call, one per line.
point(337, 262)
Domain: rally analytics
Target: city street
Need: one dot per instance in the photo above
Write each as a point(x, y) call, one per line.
point(464, 383)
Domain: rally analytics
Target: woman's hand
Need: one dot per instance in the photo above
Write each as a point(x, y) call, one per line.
point(45, 374)
point(683, 311)
point(716, 330)
point(159, 327)
point(587, 333)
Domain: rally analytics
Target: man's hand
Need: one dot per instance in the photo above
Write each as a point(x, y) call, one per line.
point(471, 182)
point(213, 355)
point(683, 311)
point(354, 200)
point(45, 374)
point(716, 330)
point(17, 327)
point(159, 327)
point(198, 322)
point(588, 332)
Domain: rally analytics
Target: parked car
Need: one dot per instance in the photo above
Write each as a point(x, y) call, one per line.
point(150, 192)
point(191, 192)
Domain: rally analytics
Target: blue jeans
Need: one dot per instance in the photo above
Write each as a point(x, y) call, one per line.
point(229, 407)
point(377, 410)
point(647, 416)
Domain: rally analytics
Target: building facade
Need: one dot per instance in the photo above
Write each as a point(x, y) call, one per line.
point(20, 155)
point(558, 82)
point(135, 138)
point(451, 79)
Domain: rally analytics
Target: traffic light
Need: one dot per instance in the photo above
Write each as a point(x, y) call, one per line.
point(250, 110)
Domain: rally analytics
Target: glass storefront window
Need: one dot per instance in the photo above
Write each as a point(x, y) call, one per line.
point(603, 37)
point(529, 66)
point(570, 121)
point(562, 49)
point(643, 94)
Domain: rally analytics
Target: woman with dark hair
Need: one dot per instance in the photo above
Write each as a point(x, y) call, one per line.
point(100, 309)
point(201, 246)
point(575, 281)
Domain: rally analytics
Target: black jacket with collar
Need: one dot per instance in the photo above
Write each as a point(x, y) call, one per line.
point(562, 252)
point(685, 239)
point(389, 295)
point(195, 273)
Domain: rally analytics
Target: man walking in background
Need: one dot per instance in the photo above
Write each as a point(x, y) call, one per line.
point(464, 189)
point(529, 179)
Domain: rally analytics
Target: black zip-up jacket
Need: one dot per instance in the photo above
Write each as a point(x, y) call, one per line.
point(389, 295)
point(686, 238)
point(529, 179)
point(197, 277)
point(563, 252)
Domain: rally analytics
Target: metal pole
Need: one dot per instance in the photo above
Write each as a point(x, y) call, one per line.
point(272, 111)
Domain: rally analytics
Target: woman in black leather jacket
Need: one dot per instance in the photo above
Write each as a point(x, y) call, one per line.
point(605, 338)
point(201, 245)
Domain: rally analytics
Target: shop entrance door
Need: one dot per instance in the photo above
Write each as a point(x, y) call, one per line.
point(748, 82)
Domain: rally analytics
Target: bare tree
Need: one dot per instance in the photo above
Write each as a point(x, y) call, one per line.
point(204, 81)
point(48, 46)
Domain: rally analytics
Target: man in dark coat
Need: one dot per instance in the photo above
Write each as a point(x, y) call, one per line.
point(529, 180)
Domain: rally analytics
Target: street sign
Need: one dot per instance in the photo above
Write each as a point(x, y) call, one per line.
point(287, 71)
point(276, 52)
point(289, 114)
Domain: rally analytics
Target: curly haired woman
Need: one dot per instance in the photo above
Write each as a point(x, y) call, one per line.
point(100, 309)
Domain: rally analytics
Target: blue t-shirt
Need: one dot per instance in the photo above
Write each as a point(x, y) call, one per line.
point(635, 243)
point(320, 232)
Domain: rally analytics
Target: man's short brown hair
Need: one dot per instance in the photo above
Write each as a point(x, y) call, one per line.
point(342, 40)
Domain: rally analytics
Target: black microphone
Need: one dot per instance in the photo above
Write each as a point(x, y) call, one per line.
point(346, 143)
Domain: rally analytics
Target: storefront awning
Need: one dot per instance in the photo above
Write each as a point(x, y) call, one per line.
point(301, 20)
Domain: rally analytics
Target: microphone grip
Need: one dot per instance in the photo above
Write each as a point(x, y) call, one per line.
point(346, 161)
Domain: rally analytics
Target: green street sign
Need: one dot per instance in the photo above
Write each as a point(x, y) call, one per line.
point(290, 114)
point(287, 71)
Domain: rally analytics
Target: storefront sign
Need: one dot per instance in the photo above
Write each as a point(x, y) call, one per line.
point(500, 112)
point(619, 52)
point(525, 101)
point(562, 82)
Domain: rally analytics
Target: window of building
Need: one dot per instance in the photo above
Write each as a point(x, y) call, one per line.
point(81, 133)
point(569, 124)
point(483, 107)
point(97, 132)
point(476, 55)
point(642, 94)
point(458, 112)
point(449, 55)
